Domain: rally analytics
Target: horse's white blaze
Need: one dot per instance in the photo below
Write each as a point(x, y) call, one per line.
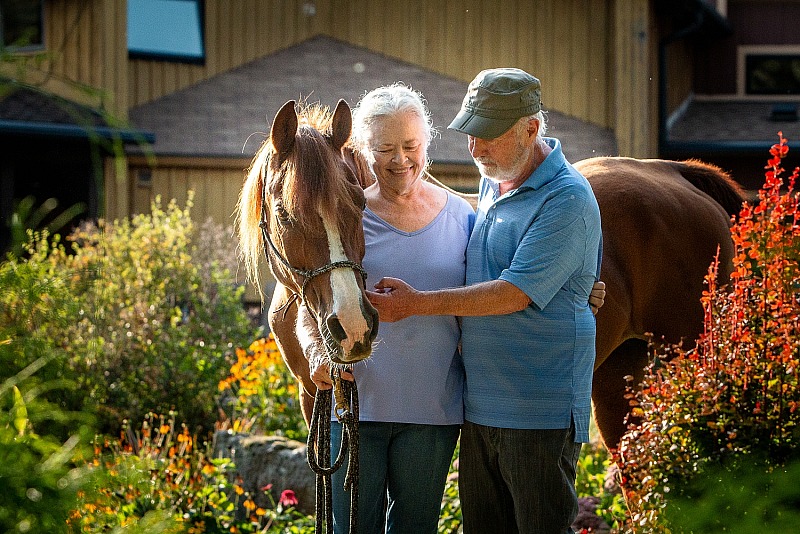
point(346, 292)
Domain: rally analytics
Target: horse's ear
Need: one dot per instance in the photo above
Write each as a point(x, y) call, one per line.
point(284, 128)
point(342, 125)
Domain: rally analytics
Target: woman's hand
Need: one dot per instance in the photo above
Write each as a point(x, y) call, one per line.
point(321, 375)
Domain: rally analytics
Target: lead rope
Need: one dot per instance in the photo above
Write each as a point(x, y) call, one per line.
point(319, 449)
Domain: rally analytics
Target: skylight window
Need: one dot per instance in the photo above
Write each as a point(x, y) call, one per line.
point(166, 29)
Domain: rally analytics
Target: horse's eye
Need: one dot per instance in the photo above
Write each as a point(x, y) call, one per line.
point(282, 214)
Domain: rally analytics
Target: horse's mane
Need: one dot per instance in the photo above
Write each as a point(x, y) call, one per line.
point(312, 178)
point(713, 181)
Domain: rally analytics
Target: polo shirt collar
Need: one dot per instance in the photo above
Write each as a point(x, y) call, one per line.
point(548, 169)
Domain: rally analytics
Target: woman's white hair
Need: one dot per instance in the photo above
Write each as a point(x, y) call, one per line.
point(385, 101)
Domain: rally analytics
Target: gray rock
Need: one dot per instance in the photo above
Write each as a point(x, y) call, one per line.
point(264, 460)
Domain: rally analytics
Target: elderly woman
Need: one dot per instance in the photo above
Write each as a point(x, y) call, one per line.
point(411, 389)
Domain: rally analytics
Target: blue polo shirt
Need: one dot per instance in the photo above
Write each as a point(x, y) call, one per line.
point(533, 368)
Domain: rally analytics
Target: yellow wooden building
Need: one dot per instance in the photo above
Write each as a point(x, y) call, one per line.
point(616, 75)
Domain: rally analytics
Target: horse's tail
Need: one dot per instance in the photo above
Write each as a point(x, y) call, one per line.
point(713, 181)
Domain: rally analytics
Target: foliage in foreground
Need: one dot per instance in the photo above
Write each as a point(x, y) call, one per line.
point(40, 476)
point(140, 316)
point(159, 472)
point(730, 405)
point(260, 394)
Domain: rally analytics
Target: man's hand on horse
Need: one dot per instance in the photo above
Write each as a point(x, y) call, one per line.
point(321, 375)
point(598, 296)
point(393, 298)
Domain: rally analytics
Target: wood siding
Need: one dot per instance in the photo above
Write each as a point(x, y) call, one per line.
point(566, 43)
point(86, 43)
point(635, 79)
point(216, 185)
point(596, 58)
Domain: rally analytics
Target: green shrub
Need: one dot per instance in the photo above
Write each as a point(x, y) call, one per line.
point(143, 315)
point(40, 475)
point(732, 402)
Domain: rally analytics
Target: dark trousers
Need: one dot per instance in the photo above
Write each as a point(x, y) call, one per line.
point(403, 470)
point(517, 481)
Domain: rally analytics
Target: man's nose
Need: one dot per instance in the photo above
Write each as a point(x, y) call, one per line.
point(477, 146)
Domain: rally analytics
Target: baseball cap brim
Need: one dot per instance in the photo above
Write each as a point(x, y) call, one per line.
point(481, 127)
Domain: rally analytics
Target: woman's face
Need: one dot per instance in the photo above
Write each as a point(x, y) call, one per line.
point(399, 147)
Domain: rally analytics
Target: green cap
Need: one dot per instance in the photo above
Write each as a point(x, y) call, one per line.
point(496, 99)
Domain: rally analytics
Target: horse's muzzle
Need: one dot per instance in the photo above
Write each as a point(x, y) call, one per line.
point(347, 350)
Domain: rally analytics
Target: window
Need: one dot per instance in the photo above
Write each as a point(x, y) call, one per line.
point(772, 75)
point(769, 71)
point(166, 29)
point(21, 24)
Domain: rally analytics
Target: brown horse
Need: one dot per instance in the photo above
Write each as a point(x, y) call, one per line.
point(663, 222)
point(301, 207)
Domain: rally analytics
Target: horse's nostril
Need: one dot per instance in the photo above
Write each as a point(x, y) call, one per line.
point(335, 328)
point(373, 333)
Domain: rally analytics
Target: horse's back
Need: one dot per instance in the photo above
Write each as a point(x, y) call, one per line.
point(660, 235)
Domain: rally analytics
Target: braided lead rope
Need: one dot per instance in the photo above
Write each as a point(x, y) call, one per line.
point(319, 450)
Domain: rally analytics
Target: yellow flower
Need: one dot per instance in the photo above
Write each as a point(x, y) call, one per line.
point(209, 469)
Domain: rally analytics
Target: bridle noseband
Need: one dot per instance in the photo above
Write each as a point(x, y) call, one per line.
point(306, 274)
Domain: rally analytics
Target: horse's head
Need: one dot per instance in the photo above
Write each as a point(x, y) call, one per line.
point(308, 204)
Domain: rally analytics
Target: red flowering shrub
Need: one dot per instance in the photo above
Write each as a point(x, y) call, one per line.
point(731, 401)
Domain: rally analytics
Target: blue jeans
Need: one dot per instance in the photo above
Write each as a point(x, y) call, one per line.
point(513, 480)
point(402, 473)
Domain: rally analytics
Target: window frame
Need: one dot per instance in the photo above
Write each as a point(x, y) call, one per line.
point(746, 51)
point(35, 47)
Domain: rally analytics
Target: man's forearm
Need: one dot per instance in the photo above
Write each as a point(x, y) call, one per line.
point(496, 297)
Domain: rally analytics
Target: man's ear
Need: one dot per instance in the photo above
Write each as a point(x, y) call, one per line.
point(533, 127)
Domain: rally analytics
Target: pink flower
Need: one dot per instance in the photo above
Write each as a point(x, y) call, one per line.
point(267, 487)
point(288, 498)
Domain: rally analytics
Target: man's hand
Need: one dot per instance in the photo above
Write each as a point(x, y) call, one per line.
point(321, 376)
point(598, 296)
point(394, 299)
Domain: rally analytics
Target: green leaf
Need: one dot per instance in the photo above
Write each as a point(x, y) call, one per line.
point(19, 413)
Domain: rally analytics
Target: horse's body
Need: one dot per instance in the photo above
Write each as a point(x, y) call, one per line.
point(662, 224)
point(301, 204)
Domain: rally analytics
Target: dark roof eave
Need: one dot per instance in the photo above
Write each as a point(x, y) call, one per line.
point(716, 147)
point(72, 130)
